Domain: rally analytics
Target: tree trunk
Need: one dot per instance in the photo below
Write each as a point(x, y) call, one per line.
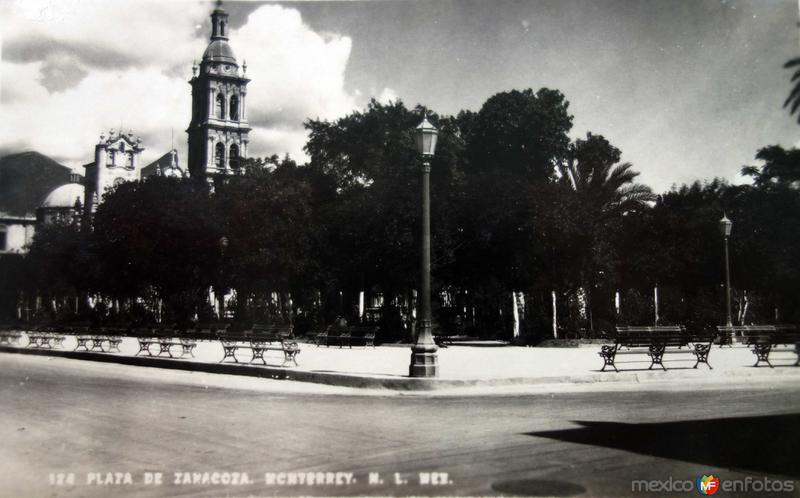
point(655, 303)
point(555, 315)
point(515, 313)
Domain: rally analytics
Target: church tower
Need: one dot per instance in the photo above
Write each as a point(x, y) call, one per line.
point(117, 159)
point(218, 132)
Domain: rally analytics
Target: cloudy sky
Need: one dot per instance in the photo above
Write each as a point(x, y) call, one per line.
point(688, 89)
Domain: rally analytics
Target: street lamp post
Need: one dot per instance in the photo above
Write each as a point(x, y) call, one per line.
point(223, 245)
point(424, 360)
point(725, 226)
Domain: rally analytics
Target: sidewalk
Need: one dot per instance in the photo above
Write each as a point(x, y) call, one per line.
point(483, 365)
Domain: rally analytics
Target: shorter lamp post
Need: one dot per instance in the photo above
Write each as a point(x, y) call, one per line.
point(725, 226)
point(223, 245)
point(424, 360)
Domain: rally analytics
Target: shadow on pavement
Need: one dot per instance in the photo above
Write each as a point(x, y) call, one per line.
point(756, 444)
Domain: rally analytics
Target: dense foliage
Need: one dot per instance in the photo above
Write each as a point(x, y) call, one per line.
point(518, 209)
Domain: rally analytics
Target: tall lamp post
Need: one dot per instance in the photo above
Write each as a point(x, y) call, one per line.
point(424, 360)
point(725, 226)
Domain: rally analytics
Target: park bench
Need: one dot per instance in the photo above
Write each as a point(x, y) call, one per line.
point(766, 340)
point(44, 337)
point(9, 334)
point(146, 337)
point(86, 334)
point(347, 335)
point(166, 339)
point(655, 342)
point(728, 335)
point(111, 335)
point(272, 330)
point(83, 336)
point(258, 344)
point(443, 337)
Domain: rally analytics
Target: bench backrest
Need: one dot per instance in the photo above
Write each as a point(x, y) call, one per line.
point(746, 329)
point(650, 329)
point(644, 339)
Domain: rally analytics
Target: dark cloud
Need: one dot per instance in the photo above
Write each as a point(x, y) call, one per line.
point(58, 75)
point(90, 54)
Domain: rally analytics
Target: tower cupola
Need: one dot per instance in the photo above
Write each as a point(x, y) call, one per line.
point(218, 131)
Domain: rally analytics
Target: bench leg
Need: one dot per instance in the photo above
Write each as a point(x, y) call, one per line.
point(701, 352)
point(258, 354)
point(81, 344)
point(229, 352)
point(113, 346)
point(608, 353)
point(762, 353)
point(144, 347)
point(290, 356)
point(609, 362)
point(187, 349)
point(165, 348)
point(656, 357)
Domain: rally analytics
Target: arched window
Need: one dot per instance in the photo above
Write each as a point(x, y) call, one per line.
point(233, 158)
point(235, 108)
point(220, 111)
point(222, 28)
point(219, 157)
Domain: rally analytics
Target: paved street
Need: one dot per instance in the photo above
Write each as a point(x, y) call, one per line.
point(89, 420)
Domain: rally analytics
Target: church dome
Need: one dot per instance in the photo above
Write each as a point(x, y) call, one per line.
point(64, 196)
point(219, 51)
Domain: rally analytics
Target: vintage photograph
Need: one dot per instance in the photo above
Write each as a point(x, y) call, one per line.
point(399, 248)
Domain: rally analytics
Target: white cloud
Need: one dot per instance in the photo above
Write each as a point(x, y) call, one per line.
point(72, 69)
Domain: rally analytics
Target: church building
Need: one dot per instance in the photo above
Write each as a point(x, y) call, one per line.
point(218, 137)
point(218, 131)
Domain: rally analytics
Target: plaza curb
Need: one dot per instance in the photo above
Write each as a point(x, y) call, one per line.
point(394, 383)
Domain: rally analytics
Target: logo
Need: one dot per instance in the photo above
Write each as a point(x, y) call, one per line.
point(708, 485)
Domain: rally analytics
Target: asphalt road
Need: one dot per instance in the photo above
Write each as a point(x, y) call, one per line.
point(72, 429)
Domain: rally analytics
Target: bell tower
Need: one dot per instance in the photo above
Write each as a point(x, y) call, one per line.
point(218, 131)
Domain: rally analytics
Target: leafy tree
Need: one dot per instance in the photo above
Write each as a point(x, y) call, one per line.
point(60, 263)
point(369, 229)
point(781, 168)
point(508, 215)
point(264, 216)
point(158, 234)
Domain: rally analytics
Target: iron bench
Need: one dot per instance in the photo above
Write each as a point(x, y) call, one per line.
point(767, 340)
point(10, 336)
point(350, 335)
point(258, 345)
point(44, 337)
point(655, 342)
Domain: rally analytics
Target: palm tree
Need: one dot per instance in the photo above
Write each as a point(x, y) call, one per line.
point(606, 187)
point(605, 191)
point(793, 100)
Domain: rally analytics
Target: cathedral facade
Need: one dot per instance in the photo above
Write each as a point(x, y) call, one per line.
point(219, 131)
point(218, 137)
